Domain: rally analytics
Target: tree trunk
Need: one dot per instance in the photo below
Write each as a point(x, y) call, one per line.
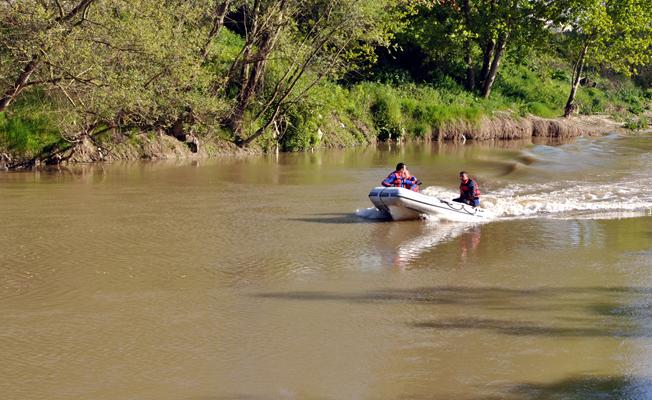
point(495, 63)
point(468, 60)
point(236, 118)
point(252, 83)
point(221, 9)
point(261, 130)
point(577, 74)
point(252, 75)
point(80, 7)
point(486, 62)
point(470, 73)
point(10, 95)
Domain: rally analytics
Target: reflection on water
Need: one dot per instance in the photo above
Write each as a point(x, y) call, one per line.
point(253, 277)
point(401, 243)
point(470, 241)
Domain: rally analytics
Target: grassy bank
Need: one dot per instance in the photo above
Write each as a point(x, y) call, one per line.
point(335, 115)
point(382, 110)
point(109, 79)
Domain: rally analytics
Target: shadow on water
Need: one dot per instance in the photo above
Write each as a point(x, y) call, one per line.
point(338, 218)
point(580, 388)
point(527, 328)
point(618, 311)
point(230, 397)
point(468, 295)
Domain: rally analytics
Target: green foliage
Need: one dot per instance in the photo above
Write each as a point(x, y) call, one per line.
point(616, 35)
point(560, 75)
point(138, 66)
point(302, 131)
point(532, 85)
point(26, 135)
point(637, 124)
point(329, 118)
point(415, 111)
point(387, 116)
point(634, 100)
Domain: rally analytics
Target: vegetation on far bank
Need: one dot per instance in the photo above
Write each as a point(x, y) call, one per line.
point(299, 74)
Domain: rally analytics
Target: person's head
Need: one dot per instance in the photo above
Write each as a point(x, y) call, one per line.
point(464, 176)
point(400, 167)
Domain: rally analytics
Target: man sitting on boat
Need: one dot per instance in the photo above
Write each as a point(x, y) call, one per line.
point(402, 178)
point(469, 192)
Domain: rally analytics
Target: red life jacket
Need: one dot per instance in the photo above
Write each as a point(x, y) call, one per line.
point(393, 179)
point(465, 190)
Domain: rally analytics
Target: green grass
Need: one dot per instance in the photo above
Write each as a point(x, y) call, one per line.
point(26, 135)
point(541, 86)
point(637, 123)
point(413, 110)
point(337, 115)
point(29, 127)
point(416, 111)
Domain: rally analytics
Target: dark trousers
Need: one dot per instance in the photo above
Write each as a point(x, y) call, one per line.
point(475, 202)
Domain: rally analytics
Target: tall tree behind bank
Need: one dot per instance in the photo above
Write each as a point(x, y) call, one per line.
point(613, 34)
point(477, 33)
point(312, 41)
point(521, 23)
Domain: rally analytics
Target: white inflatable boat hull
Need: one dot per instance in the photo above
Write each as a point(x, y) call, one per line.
point(401, 204)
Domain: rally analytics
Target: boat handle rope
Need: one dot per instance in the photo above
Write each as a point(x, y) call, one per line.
point(462, 208)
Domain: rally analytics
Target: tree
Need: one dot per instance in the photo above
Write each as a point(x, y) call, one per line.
point(520, 22)
point(30, 30)
point(121, 64)
point(456, 32)
point(313, 40)
point(612, 34)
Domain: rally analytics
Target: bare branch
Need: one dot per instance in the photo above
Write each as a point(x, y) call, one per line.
point(59, 7)
point(221, 9)
point(81, 7)
point(155, 77)
point(109, 45)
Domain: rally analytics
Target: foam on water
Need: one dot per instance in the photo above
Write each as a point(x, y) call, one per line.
point(565, 199)
point(370, 213)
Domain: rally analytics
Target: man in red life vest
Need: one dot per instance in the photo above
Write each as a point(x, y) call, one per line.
point(401, 178)
point(469, 192)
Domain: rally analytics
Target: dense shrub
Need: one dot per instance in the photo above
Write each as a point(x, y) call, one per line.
point(26, 134)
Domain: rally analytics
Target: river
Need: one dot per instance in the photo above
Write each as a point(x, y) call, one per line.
point(265, 278)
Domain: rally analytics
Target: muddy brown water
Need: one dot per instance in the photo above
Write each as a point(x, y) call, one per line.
point(254, 278)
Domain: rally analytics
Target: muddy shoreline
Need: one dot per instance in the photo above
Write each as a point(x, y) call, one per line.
point(500, 127)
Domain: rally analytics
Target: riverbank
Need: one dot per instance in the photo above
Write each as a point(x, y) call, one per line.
point(527, 102)
point(501, 126)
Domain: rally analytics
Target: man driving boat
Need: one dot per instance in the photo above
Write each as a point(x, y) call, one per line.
point(469, 192)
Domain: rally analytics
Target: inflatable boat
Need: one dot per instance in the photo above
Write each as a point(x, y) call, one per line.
point(400, 204)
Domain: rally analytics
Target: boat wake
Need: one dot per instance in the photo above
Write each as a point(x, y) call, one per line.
point(564, 200)
point(559, 200)
point(606, 178)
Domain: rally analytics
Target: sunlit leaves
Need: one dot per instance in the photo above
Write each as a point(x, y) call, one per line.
point(618, 33)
